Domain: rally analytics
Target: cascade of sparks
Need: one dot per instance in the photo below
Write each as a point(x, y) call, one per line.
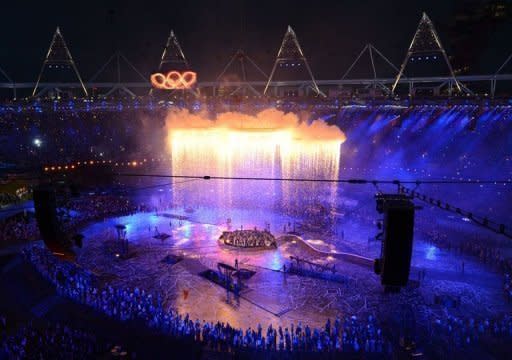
point(253, 153)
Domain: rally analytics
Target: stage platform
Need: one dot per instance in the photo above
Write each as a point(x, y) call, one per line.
point(271, 295)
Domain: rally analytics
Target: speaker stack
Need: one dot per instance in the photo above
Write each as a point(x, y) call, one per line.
point(398, 226)
point(50, 228)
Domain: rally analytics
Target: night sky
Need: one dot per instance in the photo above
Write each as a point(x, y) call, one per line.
point(331, 32)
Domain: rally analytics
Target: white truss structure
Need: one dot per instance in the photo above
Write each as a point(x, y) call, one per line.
point(371, 49)
point(243, 59)
point(425, 40)
point(4, 74)
point(58, 55)
point(290, 51)
point(173, 54)
point(173, 57)
point(116, 60)
point(8, 78)
point(503, 65)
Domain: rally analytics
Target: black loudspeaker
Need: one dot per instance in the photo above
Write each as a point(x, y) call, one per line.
point(395, 262)
point(45, 205)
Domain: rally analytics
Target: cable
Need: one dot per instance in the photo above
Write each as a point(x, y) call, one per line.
point(347, 181)
point(494, 226)
point(160, 185)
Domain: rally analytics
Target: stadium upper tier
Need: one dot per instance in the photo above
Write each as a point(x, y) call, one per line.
point(443, 140)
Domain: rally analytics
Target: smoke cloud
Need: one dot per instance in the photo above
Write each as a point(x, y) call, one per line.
point(319, 130)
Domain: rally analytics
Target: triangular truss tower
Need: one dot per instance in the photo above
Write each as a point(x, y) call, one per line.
point(114, 63)
point(505, 66)
point(371, 50)
point(9, 80)
point(244, 60)
point(173, 57)
point(4, 74)
point(507, 62)
point(425, 41)
point(58, 57)
point(290, 55)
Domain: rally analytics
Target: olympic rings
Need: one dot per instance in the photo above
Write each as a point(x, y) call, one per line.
point(173, 80)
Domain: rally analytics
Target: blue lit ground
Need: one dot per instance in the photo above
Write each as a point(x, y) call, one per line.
point(273, 297)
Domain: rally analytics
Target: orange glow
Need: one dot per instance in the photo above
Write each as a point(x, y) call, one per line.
point(173, 80)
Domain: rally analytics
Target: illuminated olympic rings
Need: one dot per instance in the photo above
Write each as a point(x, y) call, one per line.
point(173, 80)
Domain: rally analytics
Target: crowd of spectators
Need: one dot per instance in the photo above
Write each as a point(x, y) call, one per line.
point(8, 198)
point(84, 131)
point(452, 332)
point(99, 207)
point(348, 335)
point(487, 251)
point(73, 133)
point(22, 227)
point(18, 229)
point(50, 341)
point(470, 330)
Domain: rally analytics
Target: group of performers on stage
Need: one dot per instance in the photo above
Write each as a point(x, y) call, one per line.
point(249, 238)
